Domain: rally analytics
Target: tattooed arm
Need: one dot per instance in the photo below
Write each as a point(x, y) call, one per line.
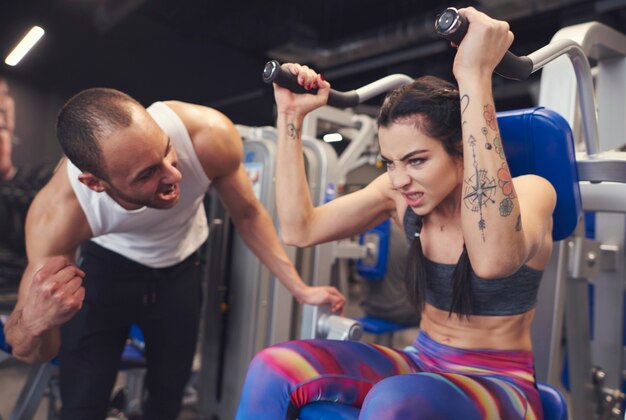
point(301, 224)
point(506, 222)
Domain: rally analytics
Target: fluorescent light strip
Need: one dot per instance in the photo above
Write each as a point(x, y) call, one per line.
point(24, 46)
point(332, 137)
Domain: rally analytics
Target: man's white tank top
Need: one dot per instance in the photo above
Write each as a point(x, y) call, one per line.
point(153, 237)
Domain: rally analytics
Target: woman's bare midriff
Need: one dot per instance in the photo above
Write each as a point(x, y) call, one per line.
point(479, 332)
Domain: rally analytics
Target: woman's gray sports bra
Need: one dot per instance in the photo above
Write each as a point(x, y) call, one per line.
point(510, 295)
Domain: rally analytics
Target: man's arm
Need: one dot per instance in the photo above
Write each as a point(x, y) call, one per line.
point(51, 289)
point(256, 228)
point(220, 151)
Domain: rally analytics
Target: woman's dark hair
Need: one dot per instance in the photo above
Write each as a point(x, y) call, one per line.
point(85, 119)
point(434, 106)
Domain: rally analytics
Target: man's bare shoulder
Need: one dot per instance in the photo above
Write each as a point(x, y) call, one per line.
point(215, 138)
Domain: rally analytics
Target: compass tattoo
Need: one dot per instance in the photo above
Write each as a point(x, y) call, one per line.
point(479, 189)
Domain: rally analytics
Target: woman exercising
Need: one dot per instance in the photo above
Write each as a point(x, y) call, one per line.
point(479, 243)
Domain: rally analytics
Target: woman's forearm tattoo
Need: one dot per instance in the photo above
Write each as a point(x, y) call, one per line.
point(464, 104)
point(292, 131)
point(479, 189)
point(505, 182)
point(489, 112)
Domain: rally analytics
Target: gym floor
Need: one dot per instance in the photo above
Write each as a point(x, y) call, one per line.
point(13, 373)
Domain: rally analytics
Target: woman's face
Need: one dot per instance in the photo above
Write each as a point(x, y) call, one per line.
point(418, 166)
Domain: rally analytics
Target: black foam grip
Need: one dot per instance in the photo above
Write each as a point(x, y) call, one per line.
point(514, 67)
point(343, 99)
point(510, 67)
point(274, 73)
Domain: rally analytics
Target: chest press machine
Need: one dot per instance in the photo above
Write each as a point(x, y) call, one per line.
point(537, 141)
point(540, 141)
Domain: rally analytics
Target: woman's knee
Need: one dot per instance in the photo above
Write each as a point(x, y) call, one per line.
point(418, 396)
point(285, 360)
point(268, 358)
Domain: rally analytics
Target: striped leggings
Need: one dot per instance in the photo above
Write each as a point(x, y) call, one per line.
point(428, 380)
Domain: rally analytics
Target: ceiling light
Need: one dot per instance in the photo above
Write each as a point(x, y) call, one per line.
point(332, 137)
point(24, 46)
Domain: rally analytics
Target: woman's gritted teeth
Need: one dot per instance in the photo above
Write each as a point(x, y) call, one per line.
point(413, 199)
point(414, 196)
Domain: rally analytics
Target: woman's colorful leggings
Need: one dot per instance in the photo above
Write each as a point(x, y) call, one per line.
point(428, 380)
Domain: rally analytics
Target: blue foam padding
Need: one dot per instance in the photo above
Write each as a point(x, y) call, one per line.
point(378, 326)
point(539, 141)
point(377, 270)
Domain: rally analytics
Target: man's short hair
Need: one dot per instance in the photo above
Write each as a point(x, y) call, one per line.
point(85, 119)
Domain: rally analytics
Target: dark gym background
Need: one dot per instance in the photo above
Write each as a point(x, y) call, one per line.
point(212, 52)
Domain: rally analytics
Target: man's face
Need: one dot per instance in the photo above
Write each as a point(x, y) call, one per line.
point(140, 164)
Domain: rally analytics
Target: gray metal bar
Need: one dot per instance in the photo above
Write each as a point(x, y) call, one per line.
point(212, 373)
point(584, 83)
point(383, 85)
point(604, 170)
point(603, 197)
point(256, 312)
point(609, 301)
point(577, 331)
point(32, 391)
point(551, 307)
point(578, 349)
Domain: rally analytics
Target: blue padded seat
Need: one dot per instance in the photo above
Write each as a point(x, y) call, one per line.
point(328, 411)
point(552, 403)
point(4, 346)
point(133, 354)
point(381, 330)
point(5, 349)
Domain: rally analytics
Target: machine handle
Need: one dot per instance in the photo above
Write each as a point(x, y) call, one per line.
point(452, 26)
point(274, 73)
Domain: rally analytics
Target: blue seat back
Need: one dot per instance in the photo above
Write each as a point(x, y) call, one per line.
point(4, 346)
point(539, 141)
point(375, 270)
